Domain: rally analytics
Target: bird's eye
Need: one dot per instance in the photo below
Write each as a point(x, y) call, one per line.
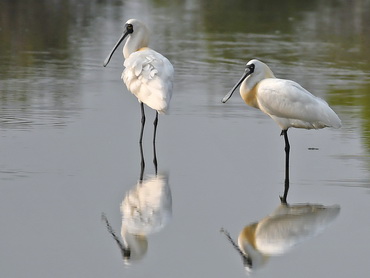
point(129, 28)
point(251, 67)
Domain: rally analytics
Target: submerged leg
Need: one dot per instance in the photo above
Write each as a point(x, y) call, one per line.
point(287, 151)
point(155, 123)
point(283, 199)
point(142, 162)
point(155, 162)
point(142, 122)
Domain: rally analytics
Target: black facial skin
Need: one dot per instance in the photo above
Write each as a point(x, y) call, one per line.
point(251, 67)
point(129, 28)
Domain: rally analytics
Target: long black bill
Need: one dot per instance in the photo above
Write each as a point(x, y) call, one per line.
point(114, 48)
point(230, 93)
point(126, 252)
point(247, 261)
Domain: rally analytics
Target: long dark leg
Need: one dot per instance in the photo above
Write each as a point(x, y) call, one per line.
point(142, 122)
point(142, 162)
point(155, 123)
point(155, 162)
point(283, 198)
point(287, 151)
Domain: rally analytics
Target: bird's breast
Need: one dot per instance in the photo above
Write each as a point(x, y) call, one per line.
point(247, 236)
point(250, 95)
point(143, 48)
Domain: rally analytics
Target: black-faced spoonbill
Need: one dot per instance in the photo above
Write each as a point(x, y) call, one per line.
point(287, 226)
point(147, 74)
point(285, 101)
point(281, 231)
point(146, 209)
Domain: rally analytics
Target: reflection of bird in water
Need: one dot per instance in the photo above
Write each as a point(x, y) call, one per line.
point(282, 230)
point(145, 209)
point(148, 74)
point(285, 101)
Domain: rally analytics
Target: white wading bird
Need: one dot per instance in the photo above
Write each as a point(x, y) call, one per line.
point(285, 101)
point(145, 209)
point(147, 74)
point(278, 233)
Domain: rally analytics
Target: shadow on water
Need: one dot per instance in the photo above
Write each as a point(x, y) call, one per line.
point(145, 209)
point(276, 234)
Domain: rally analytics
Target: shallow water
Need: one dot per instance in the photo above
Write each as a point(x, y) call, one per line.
point(69, 136)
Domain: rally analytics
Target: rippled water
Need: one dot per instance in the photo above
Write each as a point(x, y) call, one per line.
point(69, 138)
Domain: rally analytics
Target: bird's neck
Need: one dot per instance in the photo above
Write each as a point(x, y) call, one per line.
point(248, 236)
point(249, 88)
point(247, 243)
point(133, 44)
point(249, 95)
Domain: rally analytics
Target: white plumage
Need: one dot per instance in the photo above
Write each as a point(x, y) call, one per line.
point(147, 74)
point(147, 207)
point(290, 225)
point(285, 101)
point(278, 233)
point(290, 105)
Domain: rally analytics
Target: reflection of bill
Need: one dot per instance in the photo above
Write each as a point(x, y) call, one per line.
point(145, 209)
point(279, 232)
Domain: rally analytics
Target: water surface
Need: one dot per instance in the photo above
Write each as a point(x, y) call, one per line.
point(69, 136)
